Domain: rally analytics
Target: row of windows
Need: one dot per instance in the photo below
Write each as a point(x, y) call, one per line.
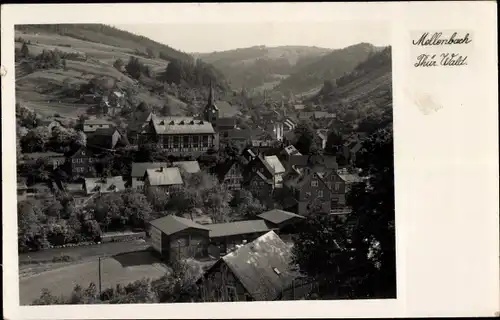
point(187, 141)
point(81, 160)
point(314, 183)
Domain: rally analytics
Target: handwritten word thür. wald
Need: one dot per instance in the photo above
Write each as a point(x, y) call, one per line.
point(436, 40)
point(444, 59)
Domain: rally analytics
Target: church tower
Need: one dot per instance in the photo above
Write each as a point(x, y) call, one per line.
point(211, 112)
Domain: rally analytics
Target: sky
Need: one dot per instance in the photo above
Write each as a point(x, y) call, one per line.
point(210, 37)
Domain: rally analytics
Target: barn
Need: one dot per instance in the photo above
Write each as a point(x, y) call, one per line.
point(176, 237)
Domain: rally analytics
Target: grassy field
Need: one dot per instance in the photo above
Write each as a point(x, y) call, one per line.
point(32, 89)
point(121, 269)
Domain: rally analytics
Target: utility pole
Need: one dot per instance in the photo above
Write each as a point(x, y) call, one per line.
point(100, 276)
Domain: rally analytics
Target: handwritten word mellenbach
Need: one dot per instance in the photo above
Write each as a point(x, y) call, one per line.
point(435, 39)
point(444, 59)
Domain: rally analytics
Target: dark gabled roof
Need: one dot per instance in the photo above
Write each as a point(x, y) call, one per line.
point(74, 151)
point(104, 132)
point(278, 216)
point(226, 122)
point(263, 266)
point(139, 168)
point(236, 228)
point(172, 224)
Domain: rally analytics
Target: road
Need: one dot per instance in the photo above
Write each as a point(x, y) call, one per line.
point(83, 252)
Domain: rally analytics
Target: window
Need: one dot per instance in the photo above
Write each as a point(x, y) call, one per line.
point(176, 142)
point(196, 140)
point(83, 153)
point(329, 184)
point(231, 293)
point(90, 160)
point(320, 193)
point(314, 183)
point(308, 194)
point(185, 141)
point(337, 186)
point(205, 141)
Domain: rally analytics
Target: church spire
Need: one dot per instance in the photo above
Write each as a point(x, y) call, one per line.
point(211, 98)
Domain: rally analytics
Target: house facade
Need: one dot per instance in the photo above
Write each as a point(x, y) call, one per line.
point(175, 238)
point(231, 174)
point(80, 161)
point(180, 136)
point(137, 174)
point(258, 271)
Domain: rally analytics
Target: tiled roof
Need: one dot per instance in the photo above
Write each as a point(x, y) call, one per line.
point(181, 125)
point(96, 121)
point(164, 176)
point(350, 177)
point(139, 168)
point(235, 228)
point(226, 122)
point(42, 155)
point(188, 166)
point(273, 164)
point(104, 185)
point(277, 216)
point(172, 224)
point(263, 266)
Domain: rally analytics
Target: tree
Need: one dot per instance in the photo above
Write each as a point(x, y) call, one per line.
point(36, 139)
point(334, 142)
point(246, 205)
point(166, 110)
point(47, 298)
point(25, 52)
point(134, 67)
point(30, 231)
point(373, 207)
point(307, 141)
point(143, 107)
point(119, 64)
point(136, 208)
point(216, 202)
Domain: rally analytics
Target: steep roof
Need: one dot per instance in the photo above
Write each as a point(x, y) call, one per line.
point(278, 216)
point(188, 166)
point(238, 227)
point(139, 168)
point(172, 224)
point(164, 176)
point(104, 185)
point(263, 266)
point(350, 177)
point(181, 125)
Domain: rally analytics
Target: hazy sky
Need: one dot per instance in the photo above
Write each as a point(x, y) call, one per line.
point(209, 37)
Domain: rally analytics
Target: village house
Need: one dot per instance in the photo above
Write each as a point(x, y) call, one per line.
point(322, 134)
point(168, 179)
point(138, 172)
point(104, 185)
point(258, 271)
point(54, 159)
point(269, 167)
point(175, 238)
point(188, 166)
point(231, 174)
point(77, 192)
point(90, 126)
point(225, 236)
point(104, 138)
point(139, 125)
point(180, 136)
point(80, 161)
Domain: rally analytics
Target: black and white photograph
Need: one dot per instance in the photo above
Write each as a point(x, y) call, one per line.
point(270, 160)
point(157, 169)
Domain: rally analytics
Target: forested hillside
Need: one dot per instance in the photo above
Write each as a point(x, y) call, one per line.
point(261, 67)
point(329, 67)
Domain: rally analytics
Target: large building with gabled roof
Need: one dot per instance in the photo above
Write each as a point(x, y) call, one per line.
point(177, 238)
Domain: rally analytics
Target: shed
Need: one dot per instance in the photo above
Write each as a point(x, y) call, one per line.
point(226, 236)
point(285, 221)
point(176, 237)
